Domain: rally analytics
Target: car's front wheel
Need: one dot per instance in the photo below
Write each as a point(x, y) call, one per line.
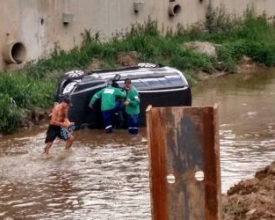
point(74, 74)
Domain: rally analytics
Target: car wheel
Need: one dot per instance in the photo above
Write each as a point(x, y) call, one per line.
point(74, 74)
point(147, 65)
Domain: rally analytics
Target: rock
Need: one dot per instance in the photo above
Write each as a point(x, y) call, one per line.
point(251, 212)
point(35, 116)
point(128, 59)
point(94, 65)
point(201, 47)
point(246, 59)
point(201, 76)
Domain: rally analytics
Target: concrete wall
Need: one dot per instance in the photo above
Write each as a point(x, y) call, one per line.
point(31, 29)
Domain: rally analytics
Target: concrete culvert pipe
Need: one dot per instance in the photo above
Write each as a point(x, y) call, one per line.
point(174, 9)
point(14, 52)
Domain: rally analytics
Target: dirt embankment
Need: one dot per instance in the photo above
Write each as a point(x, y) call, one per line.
point(252, 199)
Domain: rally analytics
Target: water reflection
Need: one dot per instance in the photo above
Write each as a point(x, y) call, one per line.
point(106, 176)
point(246, 118)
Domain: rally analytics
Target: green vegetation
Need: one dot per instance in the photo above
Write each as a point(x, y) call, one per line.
point(19, 92)
point(34, 86)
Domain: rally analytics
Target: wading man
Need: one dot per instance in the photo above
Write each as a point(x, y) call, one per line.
point(109, 105)
point(59, 125)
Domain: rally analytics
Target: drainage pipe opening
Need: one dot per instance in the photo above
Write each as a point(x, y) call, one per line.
point(14, 52)
point(174, 9)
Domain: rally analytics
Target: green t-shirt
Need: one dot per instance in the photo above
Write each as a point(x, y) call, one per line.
point(133, 98)
point(108, 97)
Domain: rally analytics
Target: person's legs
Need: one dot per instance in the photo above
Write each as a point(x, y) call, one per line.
point(47, 148)
point(52, 133)
point(132, 124)
point(107, 119)
point(117, 106)
point(118, 115)
point(69, 142)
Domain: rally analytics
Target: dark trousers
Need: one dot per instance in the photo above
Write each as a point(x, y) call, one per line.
point(107, 120)
point(107, 117)
point(132, 124)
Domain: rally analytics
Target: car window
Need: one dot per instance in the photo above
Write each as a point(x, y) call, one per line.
point(174, 80)
point(90, 84)
point(159, 83)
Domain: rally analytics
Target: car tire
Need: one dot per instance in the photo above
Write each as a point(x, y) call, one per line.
point(147, 65)
point(74, 74)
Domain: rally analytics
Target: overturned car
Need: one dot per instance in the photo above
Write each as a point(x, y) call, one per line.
point(158, 85)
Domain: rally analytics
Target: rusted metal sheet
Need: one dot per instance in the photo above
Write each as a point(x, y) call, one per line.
point(184, 163)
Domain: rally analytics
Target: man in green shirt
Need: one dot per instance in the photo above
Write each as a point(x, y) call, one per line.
point(132, 106)
point(108, 104)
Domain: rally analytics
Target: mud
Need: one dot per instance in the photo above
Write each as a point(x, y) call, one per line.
point(252, 199)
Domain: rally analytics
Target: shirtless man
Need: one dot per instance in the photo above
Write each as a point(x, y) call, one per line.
point(58, 126)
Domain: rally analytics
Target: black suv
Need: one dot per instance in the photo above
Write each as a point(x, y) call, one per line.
point(157, 85)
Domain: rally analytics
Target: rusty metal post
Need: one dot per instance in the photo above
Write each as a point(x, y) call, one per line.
point(184, 163)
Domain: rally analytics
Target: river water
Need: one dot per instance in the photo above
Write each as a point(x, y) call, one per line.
point(106, 176)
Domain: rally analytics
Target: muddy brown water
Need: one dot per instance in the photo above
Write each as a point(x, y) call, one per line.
point(106, 176)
